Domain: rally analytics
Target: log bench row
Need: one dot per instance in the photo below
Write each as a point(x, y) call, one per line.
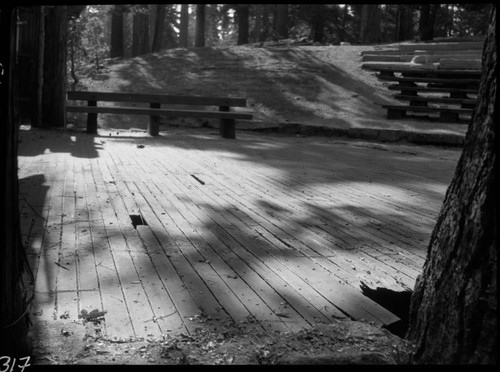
point(155, 110)
point(448, 89)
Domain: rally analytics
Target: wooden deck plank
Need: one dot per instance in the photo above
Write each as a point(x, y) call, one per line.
point(67, 268)
point(284, 223)
point(207, 303)
point(118, 322)
point(185, 303)
point(242, 262)
point(233, 279)
point(350, 265)
point(128, 277)
point(294, 243)
point(331, 220)
point(365, 314)
point(239, 314)
point(210, 280)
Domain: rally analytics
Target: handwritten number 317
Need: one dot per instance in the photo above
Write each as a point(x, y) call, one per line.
point(6, 365)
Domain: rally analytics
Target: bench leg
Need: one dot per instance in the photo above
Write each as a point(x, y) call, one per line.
point(227, 126)
point(154, 121)
point(92, 119)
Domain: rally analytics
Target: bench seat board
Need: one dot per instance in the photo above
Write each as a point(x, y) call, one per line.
point(431, 89)
point(157, 98)
point(456, 101)
point(430, 80)
point(408, 68)
point(428, 109)
point(149, 111)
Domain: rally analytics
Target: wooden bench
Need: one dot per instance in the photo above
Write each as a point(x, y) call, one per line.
point(414, 90)
point(155, 111)
point(468, 82)
point(424, 100)
point(429, 57)
point(446, 114)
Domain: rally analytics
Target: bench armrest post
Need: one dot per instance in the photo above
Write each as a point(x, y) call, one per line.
point(227, 126)
point(154, 121)
point(92, 119)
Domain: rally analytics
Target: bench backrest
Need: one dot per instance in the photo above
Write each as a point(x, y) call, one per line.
point(157, 98)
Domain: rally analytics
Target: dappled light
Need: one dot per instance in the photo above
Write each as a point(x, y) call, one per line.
point(268, 231)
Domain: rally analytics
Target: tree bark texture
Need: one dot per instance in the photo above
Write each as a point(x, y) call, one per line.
point(116, 47)
point(140, 34)
point(404, 23)
point(14, 318)
point(370, 23)
point(54, 78)
point(158, 31)
point(282, 21)
point(453, 314)
point(257, 30)
point(428, 15)
point(243, 14)
point(184, 26)
point(199, 38)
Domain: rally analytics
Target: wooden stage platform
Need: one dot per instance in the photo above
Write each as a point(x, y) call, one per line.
point(272, 232)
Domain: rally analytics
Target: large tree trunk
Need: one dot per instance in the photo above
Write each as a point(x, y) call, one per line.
point(184, 26)
point(404, 23)
point(428, 15)
point(140, 34)
point(453, 314)
point(158, 31)
point(282, 21)
point(242, 14)
point(14, 318)
point(54, 78)
point(199, 38)
point(257, 29)
point(370, 23)
point(116, 45)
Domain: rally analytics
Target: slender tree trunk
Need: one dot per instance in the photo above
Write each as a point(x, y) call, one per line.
point(242, 14)
point(199, 39)
point(453, 314)
point(158, 32)
point(54, 79)
point(282, 21)
point(184, 26)
point(14, 317)
point(116, 45)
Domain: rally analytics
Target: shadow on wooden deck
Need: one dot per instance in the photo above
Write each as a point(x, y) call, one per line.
point(279, 235)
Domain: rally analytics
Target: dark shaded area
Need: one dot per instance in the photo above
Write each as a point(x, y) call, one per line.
point(137, 220)
point(75, 143)
point(397, 302)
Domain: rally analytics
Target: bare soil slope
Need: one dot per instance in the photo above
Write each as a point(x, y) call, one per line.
point(284, 83)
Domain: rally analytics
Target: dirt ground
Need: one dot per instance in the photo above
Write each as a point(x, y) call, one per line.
point(342, 343)
point(285, 83)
